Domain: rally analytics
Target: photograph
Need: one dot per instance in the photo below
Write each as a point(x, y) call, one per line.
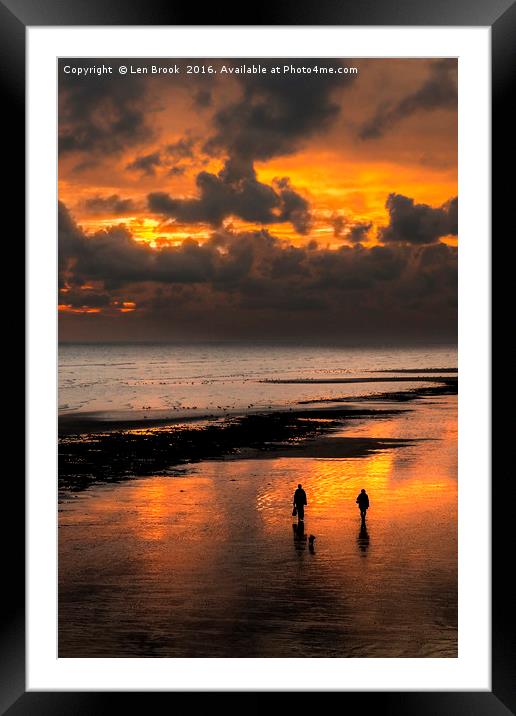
point(257, 362)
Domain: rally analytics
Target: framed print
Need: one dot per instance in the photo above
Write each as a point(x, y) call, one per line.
point(258, 261)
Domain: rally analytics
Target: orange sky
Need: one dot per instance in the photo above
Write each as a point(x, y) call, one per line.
point(113, 125)
point(338, 174)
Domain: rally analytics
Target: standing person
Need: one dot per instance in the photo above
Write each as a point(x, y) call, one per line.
point(300, 502)
point(363, 503)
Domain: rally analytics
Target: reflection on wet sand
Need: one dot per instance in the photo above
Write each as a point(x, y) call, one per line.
point(363, 538)
point(300, 536)
point(203, 564)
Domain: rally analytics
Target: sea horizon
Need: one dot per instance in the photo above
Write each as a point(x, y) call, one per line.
point(153, 381)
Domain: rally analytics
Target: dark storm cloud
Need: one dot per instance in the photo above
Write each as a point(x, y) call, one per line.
point(70, 240)
point(146, 163)
point(418, 223)
point(275, 113)
point(252, 285)
point(439, 91)
point(356, 268)
point(235, 191)
point(360, 231)
point(356, 231)
point(339, 224)
point(182, 149)
point(294, 207)
point(235, 276)
point(113, 204)
point(101, 114)
point(203, 98)
point(110, 255)
point(177, 171)
point(85, 299)
point(272, 116)
point(115, 258)
point(451, 207)
point(167, 156)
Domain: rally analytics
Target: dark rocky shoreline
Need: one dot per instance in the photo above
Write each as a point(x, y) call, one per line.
point(107, 454)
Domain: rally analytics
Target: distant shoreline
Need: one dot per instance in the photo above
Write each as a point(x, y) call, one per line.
point(383, 379)
point(72, 423)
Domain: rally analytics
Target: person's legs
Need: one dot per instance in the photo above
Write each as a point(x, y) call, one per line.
point(301, 512)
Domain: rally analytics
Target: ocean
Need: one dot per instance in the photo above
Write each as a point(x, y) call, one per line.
point(124, 381)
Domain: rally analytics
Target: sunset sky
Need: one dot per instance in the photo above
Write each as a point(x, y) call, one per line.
point(259, 206)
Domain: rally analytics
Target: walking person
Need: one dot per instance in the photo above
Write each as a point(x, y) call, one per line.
point(300, 502)
point(363, 503)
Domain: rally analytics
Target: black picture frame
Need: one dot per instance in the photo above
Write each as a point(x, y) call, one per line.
point(15, 17)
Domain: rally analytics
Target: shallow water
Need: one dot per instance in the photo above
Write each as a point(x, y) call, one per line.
point(124, 381)
point(208, 563)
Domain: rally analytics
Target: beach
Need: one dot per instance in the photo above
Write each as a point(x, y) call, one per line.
point(176, 538)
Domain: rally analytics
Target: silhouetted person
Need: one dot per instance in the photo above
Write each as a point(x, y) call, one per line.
point(363, 503)
point(300, 502)
point(363, 538)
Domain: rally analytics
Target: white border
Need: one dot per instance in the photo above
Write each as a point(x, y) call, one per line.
point(471, 670)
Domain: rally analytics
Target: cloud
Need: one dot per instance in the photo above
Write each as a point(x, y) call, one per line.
point(360, 231)
point(353, 231)
point(181, 149)
point(99, 114)
point(203, 98)
point(113, 257)
point(177, 170)
point(235, 191)
point(253, 284)
point(85, 298)
point(294, 208)
point(275, 113)
point(418, 223)
point(146, 163)
point(113, 204)
point(439, 91)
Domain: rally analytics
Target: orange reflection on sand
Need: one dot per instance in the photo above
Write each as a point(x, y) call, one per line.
point(334, 481)
point(403, 483)
point(330, 484)
point(193, 563)
point(151, 510)
point(156, 510)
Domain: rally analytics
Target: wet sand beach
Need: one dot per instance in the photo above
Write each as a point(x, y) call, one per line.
point(205, 559)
